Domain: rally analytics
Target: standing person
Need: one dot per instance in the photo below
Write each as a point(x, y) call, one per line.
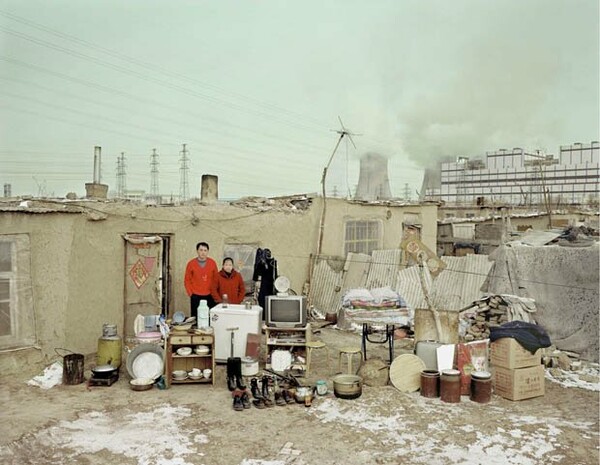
point(200, 275)
point(229, 282)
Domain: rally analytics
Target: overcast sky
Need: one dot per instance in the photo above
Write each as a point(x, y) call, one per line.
point(255, 88)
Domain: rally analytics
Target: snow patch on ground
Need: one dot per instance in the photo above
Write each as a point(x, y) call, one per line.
point(51, 376)
point(132, 435)
point(434, 445)
point(573, 378)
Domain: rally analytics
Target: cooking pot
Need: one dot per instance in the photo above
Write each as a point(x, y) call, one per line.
point(302, 392)
point(249, 366)
point(104, 371)
point(347, 386)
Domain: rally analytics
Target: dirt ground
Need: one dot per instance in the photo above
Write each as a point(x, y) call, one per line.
point(196, 424)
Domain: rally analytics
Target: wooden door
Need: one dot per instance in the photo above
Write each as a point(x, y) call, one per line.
point(146, 278)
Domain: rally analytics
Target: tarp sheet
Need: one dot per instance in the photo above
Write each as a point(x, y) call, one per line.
point(564, 281)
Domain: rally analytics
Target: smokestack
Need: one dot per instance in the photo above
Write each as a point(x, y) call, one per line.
point(373, 180)
point(209, 192)
point(96, 190)
point(97, 163)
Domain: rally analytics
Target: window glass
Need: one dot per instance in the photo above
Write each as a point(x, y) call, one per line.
point(5, 256)
point(5, 318)
point(362, 236)
point(243, 258)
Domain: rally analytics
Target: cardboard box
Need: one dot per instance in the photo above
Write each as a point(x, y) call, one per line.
point(508, 353)
point(520, 383)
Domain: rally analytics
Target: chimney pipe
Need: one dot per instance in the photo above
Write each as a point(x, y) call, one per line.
point(209, 191)
point(97, 163)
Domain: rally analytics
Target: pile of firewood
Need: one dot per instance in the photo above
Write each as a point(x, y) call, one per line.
point(484, 314)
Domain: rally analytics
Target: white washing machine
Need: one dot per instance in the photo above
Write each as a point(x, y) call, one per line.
point(247, 320)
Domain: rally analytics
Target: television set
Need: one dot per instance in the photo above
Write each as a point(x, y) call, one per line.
point(285, 311)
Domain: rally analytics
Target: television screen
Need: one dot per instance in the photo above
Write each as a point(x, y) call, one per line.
point(286, 311)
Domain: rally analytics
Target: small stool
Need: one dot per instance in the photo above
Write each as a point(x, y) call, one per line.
point(310, 346)
point(349, 352)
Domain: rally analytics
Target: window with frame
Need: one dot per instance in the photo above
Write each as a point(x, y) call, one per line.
point(362, 236)
point(16, 303)
point(243, 261)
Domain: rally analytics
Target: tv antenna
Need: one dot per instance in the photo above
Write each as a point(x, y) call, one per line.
point(343, 132)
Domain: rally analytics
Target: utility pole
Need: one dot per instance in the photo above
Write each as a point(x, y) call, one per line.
point(342, 132)
point(154, 177)
point(118, 193)
point(184, 190)
point(121, 183)
point(406, 193)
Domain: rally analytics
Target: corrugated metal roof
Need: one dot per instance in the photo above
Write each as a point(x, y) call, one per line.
point(539, 238)
point(325, 280)
point(384, 268)
point(456, 287)
point(329, 282)
point(408, 285)
point(460, 283)
point(356, 269)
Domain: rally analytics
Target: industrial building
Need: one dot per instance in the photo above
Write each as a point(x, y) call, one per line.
point(518, 177)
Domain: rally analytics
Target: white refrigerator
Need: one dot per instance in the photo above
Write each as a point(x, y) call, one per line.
point(234, 316)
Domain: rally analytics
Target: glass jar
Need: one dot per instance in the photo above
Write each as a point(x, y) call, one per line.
point(321, 387)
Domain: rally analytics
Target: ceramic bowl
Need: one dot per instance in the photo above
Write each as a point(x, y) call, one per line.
point(141, 384)
point(202, 350)
point(182, 327)
point(184, 351)
point(180, 374)
point(195, 374)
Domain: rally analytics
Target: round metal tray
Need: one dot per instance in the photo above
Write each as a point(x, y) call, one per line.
point(145, 361)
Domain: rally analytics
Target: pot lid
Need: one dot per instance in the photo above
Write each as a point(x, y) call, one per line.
point(104, 368)
point(405, 372)
point(145, 361)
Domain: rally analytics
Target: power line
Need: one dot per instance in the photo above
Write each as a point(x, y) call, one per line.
point(152, 67)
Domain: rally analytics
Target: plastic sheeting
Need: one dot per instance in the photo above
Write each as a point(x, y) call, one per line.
point(564, 281)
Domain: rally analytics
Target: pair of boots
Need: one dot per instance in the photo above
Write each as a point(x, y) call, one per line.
point(234, 374)
point(241, 400)
point(261, 395)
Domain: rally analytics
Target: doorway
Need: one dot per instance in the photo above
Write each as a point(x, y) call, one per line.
point(147, 289)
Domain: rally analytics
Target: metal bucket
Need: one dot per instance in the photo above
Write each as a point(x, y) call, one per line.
point(72, 367)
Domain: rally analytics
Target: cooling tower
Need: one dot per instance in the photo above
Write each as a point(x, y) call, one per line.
point(373, 180)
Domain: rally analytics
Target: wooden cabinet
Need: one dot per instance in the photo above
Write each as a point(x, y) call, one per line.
point(174, 361)
point(292, 340)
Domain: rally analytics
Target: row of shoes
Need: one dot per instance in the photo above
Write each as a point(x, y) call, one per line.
point(261, 393)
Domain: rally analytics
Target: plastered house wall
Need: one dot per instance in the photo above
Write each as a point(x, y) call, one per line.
point(77, 259)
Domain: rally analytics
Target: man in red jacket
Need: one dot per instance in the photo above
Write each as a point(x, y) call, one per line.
point(229, 282)
point(200, 276)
